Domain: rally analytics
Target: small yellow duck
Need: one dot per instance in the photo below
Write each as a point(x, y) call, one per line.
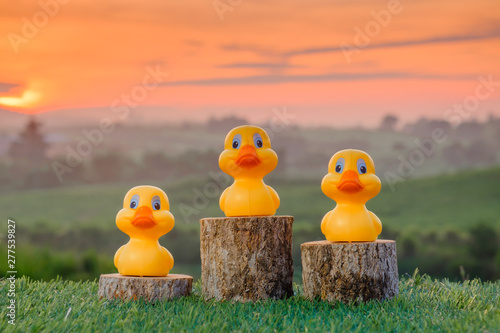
point(351, 182)
point(248, 157)
point(145, 217)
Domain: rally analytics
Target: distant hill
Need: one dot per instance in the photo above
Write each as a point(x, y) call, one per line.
point(12, 122)
point(90, 117)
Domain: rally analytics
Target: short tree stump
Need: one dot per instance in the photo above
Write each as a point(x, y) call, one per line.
point(150, 288)
point(358, 271)
point(246, 258)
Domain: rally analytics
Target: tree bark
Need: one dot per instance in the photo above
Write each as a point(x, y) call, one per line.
point(151, 289)
point(246, 258)
point(350, 271)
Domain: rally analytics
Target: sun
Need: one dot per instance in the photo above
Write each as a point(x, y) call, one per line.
point(27, 99)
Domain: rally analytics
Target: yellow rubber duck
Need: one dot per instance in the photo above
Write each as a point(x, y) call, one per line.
point(248, 157)
point(145, 217)
point(351, 182)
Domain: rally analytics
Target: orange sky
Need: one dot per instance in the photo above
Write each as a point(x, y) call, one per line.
point(263, 54)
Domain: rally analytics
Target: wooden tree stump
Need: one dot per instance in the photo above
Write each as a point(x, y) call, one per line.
point(149, 288)
point(246, 258)
point(350, 271)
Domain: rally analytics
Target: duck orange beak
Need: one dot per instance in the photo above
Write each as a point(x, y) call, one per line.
point(247, 157)
point(143, 218)
point(349, 183)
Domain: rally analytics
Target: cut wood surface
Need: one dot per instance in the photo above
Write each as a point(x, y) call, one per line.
point(357, 271)
point(149, 288)
point(246, 258)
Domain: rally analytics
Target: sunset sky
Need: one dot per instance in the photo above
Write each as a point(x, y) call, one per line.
point(247, 57)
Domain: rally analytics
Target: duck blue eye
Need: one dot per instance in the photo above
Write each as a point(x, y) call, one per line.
point(134, 202)
point(361, 166)
point(156, 203)
point(339, 167)
point(257, 140)
point(237, 141)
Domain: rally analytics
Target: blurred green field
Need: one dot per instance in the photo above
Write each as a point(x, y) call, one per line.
point(447, 202)
point(447, 226)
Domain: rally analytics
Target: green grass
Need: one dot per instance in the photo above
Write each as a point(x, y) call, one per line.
point(423, 305)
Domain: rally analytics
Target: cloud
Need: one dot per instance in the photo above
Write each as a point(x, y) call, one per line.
point(425, 41)
point(5, 86)
point(265, 65)
point(262, 51)
point(268, 52)
point(279, 79)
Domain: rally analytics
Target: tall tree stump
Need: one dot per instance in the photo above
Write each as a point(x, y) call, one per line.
point(350, 271)
point(150, 288)
point(246, 258)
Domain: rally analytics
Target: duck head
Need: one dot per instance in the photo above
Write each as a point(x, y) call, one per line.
point(247, 153)
point(351, 177)
point(145, 213)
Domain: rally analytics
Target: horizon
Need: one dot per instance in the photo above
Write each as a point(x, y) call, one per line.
point(49, 123)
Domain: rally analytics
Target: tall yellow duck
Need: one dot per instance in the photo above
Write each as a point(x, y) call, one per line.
point(145, 217)
point(248, 157)
point(351, 182)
